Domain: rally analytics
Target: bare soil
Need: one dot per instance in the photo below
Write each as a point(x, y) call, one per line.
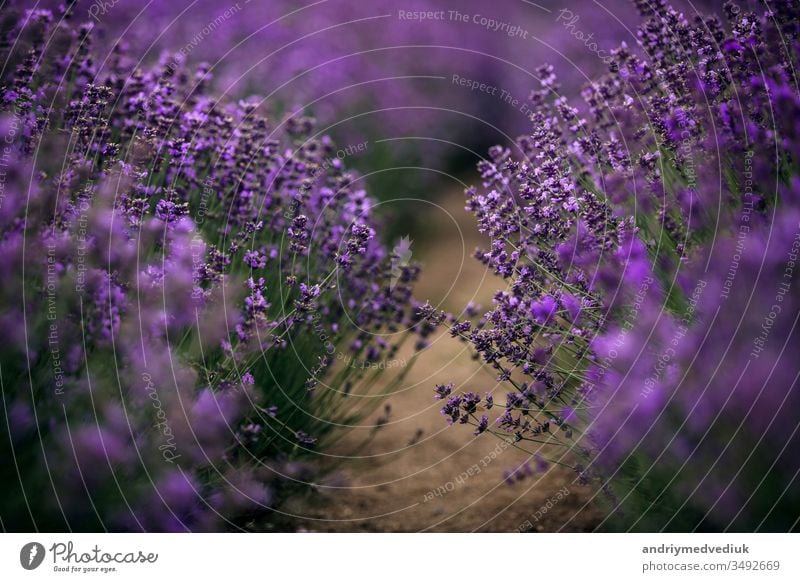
point(445, 480)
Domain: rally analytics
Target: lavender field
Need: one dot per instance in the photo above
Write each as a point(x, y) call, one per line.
point(417, 266)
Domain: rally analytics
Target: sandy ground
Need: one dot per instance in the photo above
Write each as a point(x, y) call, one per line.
point(447, 479)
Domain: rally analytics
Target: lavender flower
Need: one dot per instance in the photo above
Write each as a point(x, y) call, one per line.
point(483, 424)
point(443, 391)
point(161, 250)
point(648, 246)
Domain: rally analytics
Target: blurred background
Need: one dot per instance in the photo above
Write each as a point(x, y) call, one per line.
point(413, 92)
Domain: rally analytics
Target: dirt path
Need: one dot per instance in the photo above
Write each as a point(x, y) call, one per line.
point(445, 480)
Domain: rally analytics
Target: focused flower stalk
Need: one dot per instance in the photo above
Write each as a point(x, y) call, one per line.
point(180, 278)
point(650, 241)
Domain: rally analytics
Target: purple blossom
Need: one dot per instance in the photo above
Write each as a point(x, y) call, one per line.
point(483, 424)
point(443, 391)
point(151, 267)
point(646, 245)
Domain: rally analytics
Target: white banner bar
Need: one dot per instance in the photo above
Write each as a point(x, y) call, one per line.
point(356, 557)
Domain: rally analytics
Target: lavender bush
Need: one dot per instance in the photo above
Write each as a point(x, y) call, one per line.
point(181, 280)
point(648, 333)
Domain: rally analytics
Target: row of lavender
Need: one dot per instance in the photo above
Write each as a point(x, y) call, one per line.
point(180, 279)
point(373, 60)
point(648, 334)
point(377, 70)
point(428, 85)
